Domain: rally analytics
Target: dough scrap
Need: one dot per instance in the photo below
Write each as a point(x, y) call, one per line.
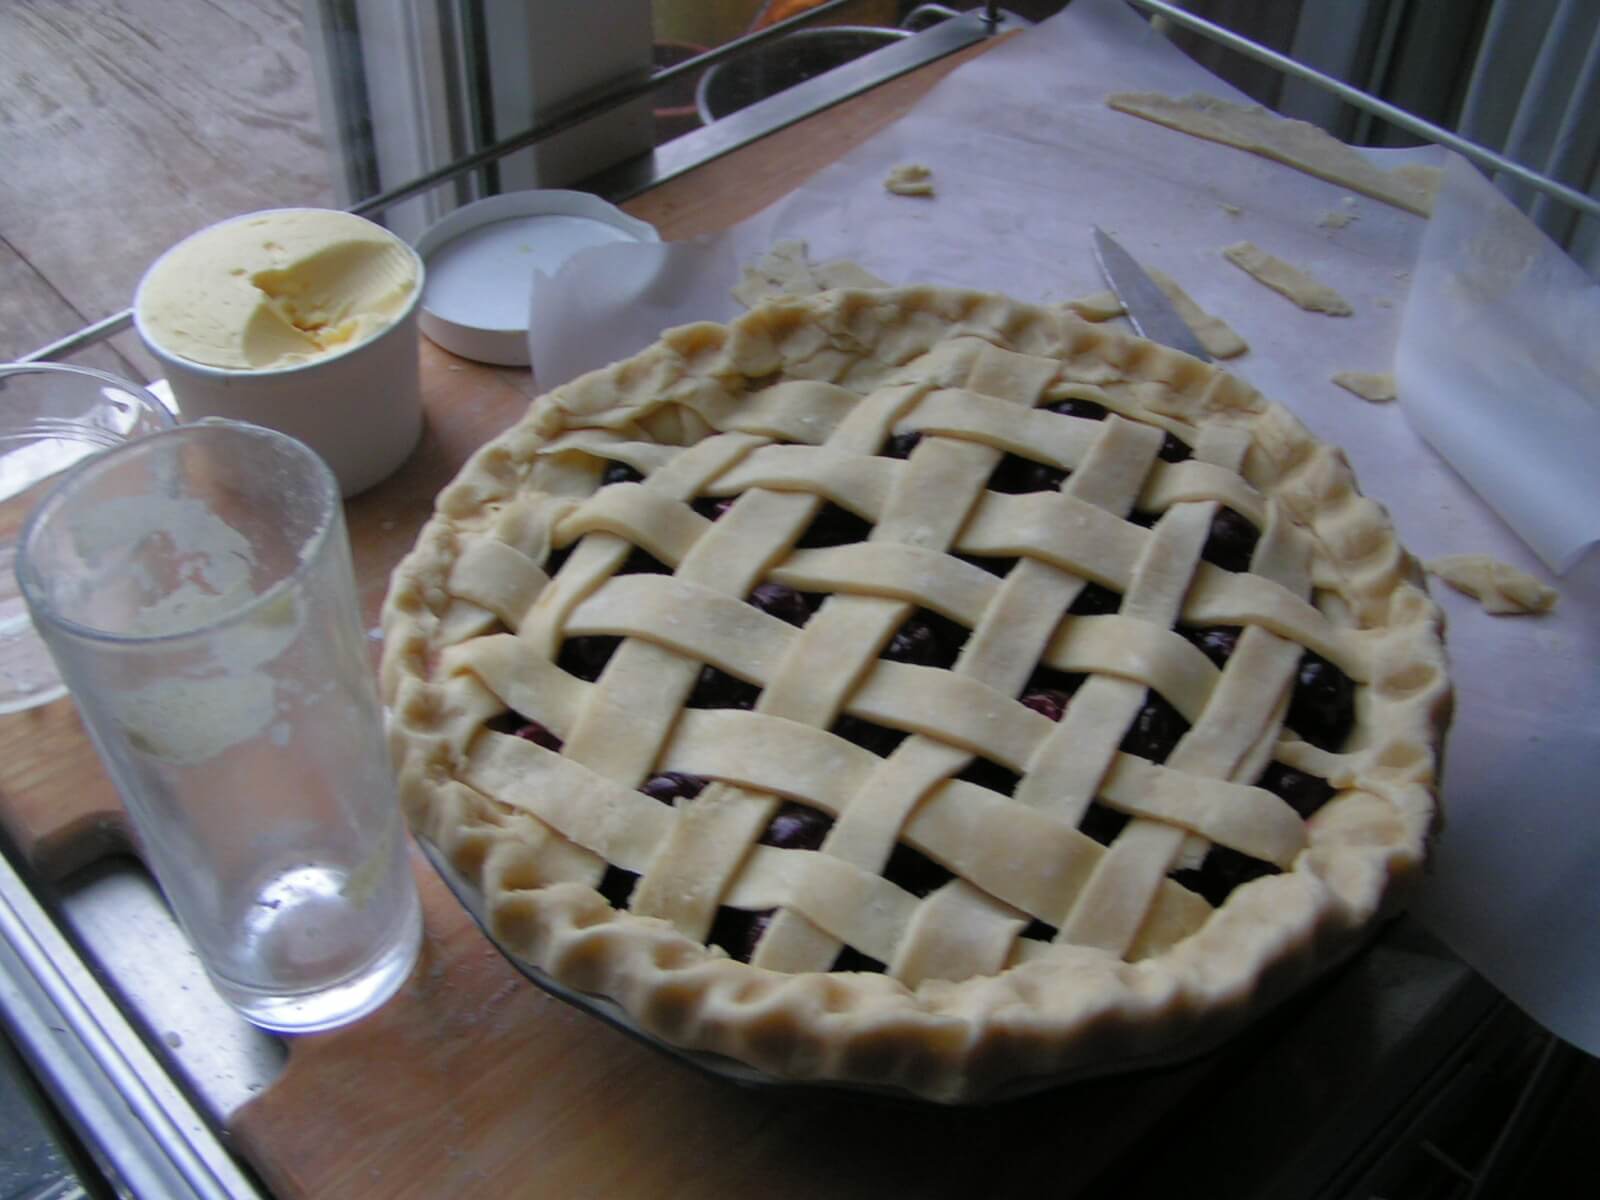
point(1502, 589)
point(1339, 217)
point(843, 273)
point(1287, 280)
point(1215, 334)
point(1369, 385)
point(1425, 180)
point(1296, 144)
point(910, 179)
point(786, 270)
point(1097, 306)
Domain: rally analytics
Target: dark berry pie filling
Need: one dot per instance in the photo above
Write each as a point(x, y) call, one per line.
point(1156, 729)
point(1093, 600)
point(782, 602)
point(1232, 541)
point(1102, 823)
point(619, 472)
point(927, 639)
point(797, 827)
point(1220, 872)
point(995, 566)
point(1322, 708)
point(587, 656)
point(901, 445)
point(834, 526)
point(879, 739)
point(671, 786)
point(989, 774)
point(1015, 475)
point(1302, 792)
point(718, 689)
point(1216, 642)
point(712, 508)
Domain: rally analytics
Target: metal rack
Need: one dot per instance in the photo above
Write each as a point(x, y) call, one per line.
point(141, 1129)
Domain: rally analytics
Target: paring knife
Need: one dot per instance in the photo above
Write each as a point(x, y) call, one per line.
point(1152, 314)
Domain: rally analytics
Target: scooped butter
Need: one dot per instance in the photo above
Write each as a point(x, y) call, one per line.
point(277, 289)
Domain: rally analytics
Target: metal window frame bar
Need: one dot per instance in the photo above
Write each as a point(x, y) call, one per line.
point(141, 1128)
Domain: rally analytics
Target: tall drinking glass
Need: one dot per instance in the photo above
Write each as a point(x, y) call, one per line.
point(195, 589)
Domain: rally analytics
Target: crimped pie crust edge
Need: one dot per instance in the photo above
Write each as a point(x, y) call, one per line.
point(1082, 1010)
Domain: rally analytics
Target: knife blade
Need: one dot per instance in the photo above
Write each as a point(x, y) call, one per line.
point(1152, 314)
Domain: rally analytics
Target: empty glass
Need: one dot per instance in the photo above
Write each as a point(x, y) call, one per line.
point(51, 415)
point(195, 588)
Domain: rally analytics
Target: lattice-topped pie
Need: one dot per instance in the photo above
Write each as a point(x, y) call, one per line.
point(920, 689)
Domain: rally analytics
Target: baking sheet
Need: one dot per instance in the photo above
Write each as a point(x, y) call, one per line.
point(1026, 157)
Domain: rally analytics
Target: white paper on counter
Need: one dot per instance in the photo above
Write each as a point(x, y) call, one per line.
point(611, 301)
point(1499, 365)
point(1026, 157)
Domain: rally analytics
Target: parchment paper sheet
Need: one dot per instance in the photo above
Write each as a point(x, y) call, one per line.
point(1026, 157)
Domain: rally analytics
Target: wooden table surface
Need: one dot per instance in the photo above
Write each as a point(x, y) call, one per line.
point(472, 1081)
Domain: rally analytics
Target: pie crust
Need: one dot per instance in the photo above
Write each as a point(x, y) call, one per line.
point(1048, 954)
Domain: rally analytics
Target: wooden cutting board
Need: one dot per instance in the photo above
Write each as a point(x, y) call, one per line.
point(474, 1082)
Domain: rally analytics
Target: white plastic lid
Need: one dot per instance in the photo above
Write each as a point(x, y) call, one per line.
point(482, 259)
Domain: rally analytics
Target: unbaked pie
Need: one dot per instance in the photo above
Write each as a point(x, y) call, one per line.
point(918, 689)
